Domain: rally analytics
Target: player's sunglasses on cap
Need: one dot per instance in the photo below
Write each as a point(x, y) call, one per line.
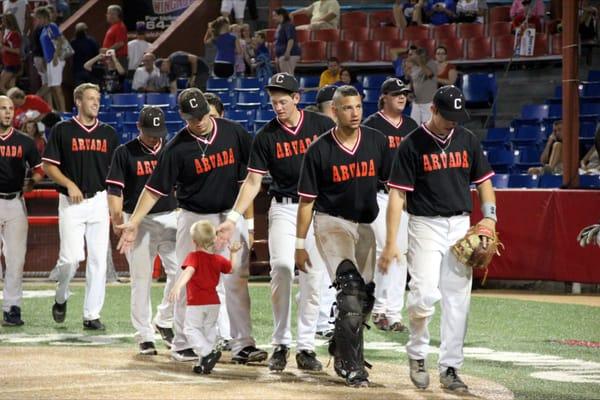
point(283, 81)
point(394, 87)
point(152, 121)
point(325, 94)
point(450, 102)
point(192, 104)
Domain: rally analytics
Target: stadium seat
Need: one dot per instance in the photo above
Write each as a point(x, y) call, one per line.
point(171, 116)
point(594, 76)
point(591, 90)
point(470, 31)
point(248, 84)
point(551, 26)
point(500, 181)
point(385, 33)
point(501, 160)
point(499, 13)
point(243, 117)
point(504, 46)
point(369, 108)
point(554, 111)
point(534, 112)
point(393, 44)
point(265, 115)
point(374, 81)
point(587, 132)
point(371, 95)
point(479, 89)
point(500, 28)
point(301, 19)
point(444, 32)
point(127, 101)
point(381, 18)
point(312, 52)
point(326, 35)
point(523, 181)
point(479, 48)
point(309, 97)
point(556, 46)
point(163, 100)
point(309, 81)
point(368, 51)
point(249, 99)
point(357, 34)
point(549, 181)
point(589, 181)
point(218, 85)
point(496, 137)
point(351, 19)
point(454, 46)
point(270, 34)
point(427, 44)
point(541, 46)
point(227, 98)
point(303, 36)
point(416, 32)
point(589, 109)
point(526, 157)
point(343, 50)
point(527, 135)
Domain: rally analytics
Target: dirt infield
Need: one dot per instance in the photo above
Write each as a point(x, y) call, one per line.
point(105, 373)
point(591, 300)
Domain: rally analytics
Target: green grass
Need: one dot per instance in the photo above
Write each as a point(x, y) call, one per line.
point(497, 324)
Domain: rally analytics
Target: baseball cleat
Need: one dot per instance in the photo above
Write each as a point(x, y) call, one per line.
point(148, 349)
point(307, 360)
point(418, 374)
point(59, 312)
point(450, 380)
point(325, 335)
point(12, 317)
point(184, 355)
point(380, 321)
point(358, 379)
point(206, 364)
point(166, 334)
point(250, 354)
point(93, 325)
point(397, 327)
point(279, 357)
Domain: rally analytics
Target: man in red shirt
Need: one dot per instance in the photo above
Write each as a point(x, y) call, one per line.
point(116, 36)
point(24, 103)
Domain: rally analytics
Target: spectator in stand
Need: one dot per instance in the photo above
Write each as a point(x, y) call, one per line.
point(107, 71)
point(325, 101)
point(260, 61)
point(215, 105)
point(399, 55)
point(148, 78)
point(470, 11)
point(551, 157)
point(11, 52)
point(136, 48)
point(287, 51)
point(348, 78)
point(227, 44)
point(116, 36)
point(239, 65)
point(588, 30)
point(18, 8)
point(530, 12)
point(332, 74)
point(32, 129)
point(590, 163)
point(51, 41)
point(247, 45)
point(440, 12)
point(422, 74)
point(324, 14)
point(39, 62)
point(181, 64)
point(237, 6)
point(446, 72)
point(408, 13)
point(25, 103)
point(85, 47)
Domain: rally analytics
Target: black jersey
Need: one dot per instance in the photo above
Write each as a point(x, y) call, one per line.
point(131, 166)
point(395, 133)
point(436, 173)
point(18, 153)
point(278, 149)
point(206, 173)
point(344, 181)
point(83, 153)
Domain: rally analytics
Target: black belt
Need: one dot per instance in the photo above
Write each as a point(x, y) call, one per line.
point(88, 195)
point(10, 196)
point(383, 191)
point(452, 214)
point(285, 200)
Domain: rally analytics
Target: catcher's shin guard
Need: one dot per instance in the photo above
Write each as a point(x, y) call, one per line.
point(354, 303)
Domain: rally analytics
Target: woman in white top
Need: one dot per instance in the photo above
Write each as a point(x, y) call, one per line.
point(470, 11)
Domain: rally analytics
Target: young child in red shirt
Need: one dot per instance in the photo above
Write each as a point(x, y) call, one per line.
point(202, 270)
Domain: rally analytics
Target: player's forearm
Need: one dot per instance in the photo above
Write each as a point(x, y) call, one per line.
point(145, 203)
point(487, 198)
point(304, 217)
point(56, 175)
point(248, 192)
point(396, 201)
point(115, 206)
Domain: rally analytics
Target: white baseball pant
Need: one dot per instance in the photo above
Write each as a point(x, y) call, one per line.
point(238, 6)
point(87, 220)
point(13, 237)
point(156, 235)
point(339, 239)
point(223, 323)
point(200, 328)
point(436, 274)
point(236, 284)
point(389, 288)
point(421, 113)
point(282, 236)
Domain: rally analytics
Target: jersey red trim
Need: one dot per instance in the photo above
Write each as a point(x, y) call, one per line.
point(155, 191)
point(347, 150)
point(85, 128)
point(309, 196)
point(116, 183)
point(389, 121)
point(213, 134)
point(154, 151)
point(9, 134)
point(401, 187)
point(51, 160)
point(436, 137)
point(39, 170)
point(289, 129)
point(485, 177)
point(258, 171)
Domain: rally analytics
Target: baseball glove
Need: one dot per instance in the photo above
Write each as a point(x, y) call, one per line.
point(470, 251)
point(589, 235)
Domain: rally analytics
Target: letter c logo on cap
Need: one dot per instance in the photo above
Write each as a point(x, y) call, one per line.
point(458, 104)
point(156, 121)
point(399, 82)
point(193, 103)
point(279, 78)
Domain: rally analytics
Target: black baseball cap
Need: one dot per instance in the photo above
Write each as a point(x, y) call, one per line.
point(283, 81)
point(192, 104)
point(152, 121)
point(394, 85)
point(450, 102)
point(325, 94)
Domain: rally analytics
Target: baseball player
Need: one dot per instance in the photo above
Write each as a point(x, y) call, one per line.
point(206, 160)
point(339, 178)
point(201, 275)
point(278, 149)
point(77, 158)
point(432, 171)
point(131, 166)
point(389, 289)
point(18, 154)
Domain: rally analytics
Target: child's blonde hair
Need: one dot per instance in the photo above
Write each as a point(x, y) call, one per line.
point(203, 234)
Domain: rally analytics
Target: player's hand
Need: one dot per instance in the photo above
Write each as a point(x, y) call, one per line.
point(128, 235)
point(302, 260)
point(55, 61)
point(489, 224)
point(117, 220)
point(28, 186)
point(388, 255)
point(75, 194)
point(235, 247)
point(224, 233)
point(250, 239)
point(174, 294)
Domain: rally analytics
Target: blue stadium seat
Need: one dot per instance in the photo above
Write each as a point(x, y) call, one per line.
point(258, 124)
point(594, 76)
point(265, 115)
point(527, 135)
point(242, 84)
point(172, 116)
point(127, 85)
point(111, 118)
point(589, 108)
point(374, 81)
point(174, 126)
point(163, 100)
point(500, 181)
point(227, 98)
point(591, 90)
point(218, 85)
point(245, 117)
point(309, 81)
point(308, 97)
point(523, 181)
point(249, 99)
point(587, 132)
point(589, 181)
point(127, 101)
point(369, 108)
point(371, 95)
point(526, 157)
point(479, 89)
point(496, 137)
point(554, 111)
point(534, 112)
point(550, 181)
point(501, 160)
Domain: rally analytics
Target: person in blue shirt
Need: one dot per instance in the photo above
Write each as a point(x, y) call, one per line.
point(287, 51)
point(440, 12)
point(261, 62)
point(227, 44)
point(85, 47)
point(348, 78)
